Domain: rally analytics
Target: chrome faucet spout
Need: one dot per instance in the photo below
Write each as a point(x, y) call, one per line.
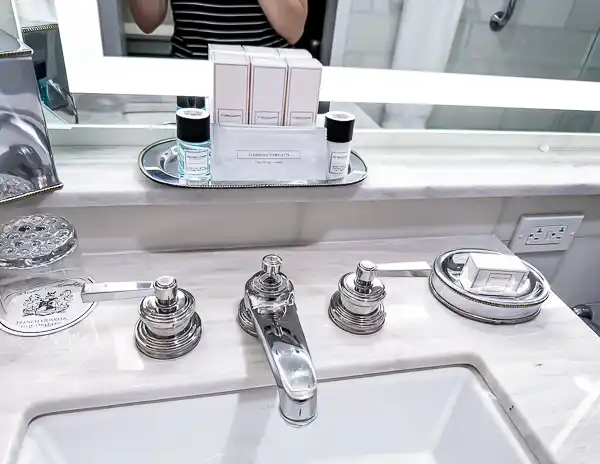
point(269, 312)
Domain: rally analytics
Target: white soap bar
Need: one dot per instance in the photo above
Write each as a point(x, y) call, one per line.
point(491, 274)
point(231, 88)
point(302, 96)
point(267, 93)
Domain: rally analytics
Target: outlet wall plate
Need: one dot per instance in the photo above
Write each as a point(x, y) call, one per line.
point(538, 234)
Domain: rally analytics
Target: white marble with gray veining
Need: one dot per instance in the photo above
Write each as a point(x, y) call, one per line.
point(546, 373)
point(109, 176)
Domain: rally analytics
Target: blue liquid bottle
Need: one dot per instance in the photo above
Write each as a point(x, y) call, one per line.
point(193, 146)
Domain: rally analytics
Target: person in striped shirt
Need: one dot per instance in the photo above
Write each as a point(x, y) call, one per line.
point(266, 23)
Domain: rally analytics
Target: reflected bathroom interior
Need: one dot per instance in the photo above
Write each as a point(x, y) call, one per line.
point(553, 40)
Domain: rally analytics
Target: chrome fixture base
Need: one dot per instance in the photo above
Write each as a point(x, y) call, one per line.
point(168, 327)
point(358, 324)
point(446, 288)
point(245, 319)
point(158, 162)
point(171, 347)
point(357, 305)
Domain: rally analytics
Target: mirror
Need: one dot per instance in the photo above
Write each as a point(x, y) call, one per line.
point(467, 49)
point(182, 29)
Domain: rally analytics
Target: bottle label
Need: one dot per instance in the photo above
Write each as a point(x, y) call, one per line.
point(193, 161)
point(339, 162)
point(266, 118)
point(230, 116)
point(301, 118)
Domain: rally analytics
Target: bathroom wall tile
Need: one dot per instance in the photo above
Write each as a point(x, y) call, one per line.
point(517, 119)
point(385, 6)
point(361, 6)
point(552, 13)
point(353, 59)
point(461, 38)
point(465, 118)
point(491, 67)
point(366, 60)
point(585, 15)
point(388, 219)
point(541, 45)
point(595, 127)
point(373, 110)
point(594, 59)
point(575, 121)
point(547, 263)
point(578, 279)
point(369, 32)
point(376, 60)
point(591, 73)
point(516, 207)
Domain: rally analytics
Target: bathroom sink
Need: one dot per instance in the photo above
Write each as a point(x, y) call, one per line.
point(433, 416)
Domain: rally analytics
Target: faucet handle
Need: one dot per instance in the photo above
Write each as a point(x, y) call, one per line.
point(357, 305)
point(366, 272)
point(168, 325)
point(164, 288)
point(404, 269)
point(271, 265)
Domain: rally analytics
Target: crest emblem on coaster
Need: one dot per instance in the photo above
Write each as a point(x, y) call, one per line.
point(52, 303)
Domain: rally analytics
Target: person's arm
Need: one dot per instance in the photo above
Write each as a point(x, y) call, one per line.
point(287, 17)
point(148, 14)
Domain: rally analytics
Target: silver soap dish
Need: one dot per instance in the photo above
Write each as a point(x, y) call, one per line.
point(158, 162)
point(445, 286)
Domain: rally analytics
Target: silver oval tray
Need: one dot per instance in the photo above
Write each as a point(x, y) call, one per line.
point(158, 162)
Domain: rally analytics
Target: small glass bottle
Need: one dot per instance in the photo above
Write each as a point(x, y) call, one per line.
point(340, 127)
point(193, 146)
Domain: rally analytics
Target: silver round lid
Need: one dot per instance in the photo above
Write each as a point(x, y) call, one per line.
point(36, 240)
point(446, 287)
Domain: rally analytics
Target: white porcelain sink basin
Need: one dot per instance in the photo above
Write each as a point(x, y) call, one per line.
point(435, 416)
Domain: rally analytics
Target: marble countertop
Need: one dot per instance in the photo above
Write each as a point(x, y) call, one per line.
point(545, 373)
point(109, 176)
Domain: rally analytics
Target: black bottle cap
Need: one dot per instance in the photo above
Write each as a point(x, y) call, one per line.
point(191, 102)
point(340, 126)
point(193, 125)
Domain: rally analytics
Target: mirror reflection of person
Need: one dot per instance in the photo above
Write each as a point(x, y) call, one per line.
point(266, 23)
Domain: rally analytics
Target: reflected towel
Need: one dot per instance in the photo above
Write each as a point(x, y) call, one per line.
point(425, 37)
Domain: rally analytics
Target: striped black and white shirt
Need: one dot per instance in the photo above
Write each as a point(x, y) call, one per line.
point(235, 22)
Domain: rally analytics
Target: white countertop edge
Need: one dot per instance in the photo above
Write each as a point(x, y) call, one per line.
point(403, 165)
point(118, 182)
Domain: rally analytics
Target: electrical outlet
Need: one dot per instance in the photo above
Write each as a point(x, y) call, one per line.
point(545, 233)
